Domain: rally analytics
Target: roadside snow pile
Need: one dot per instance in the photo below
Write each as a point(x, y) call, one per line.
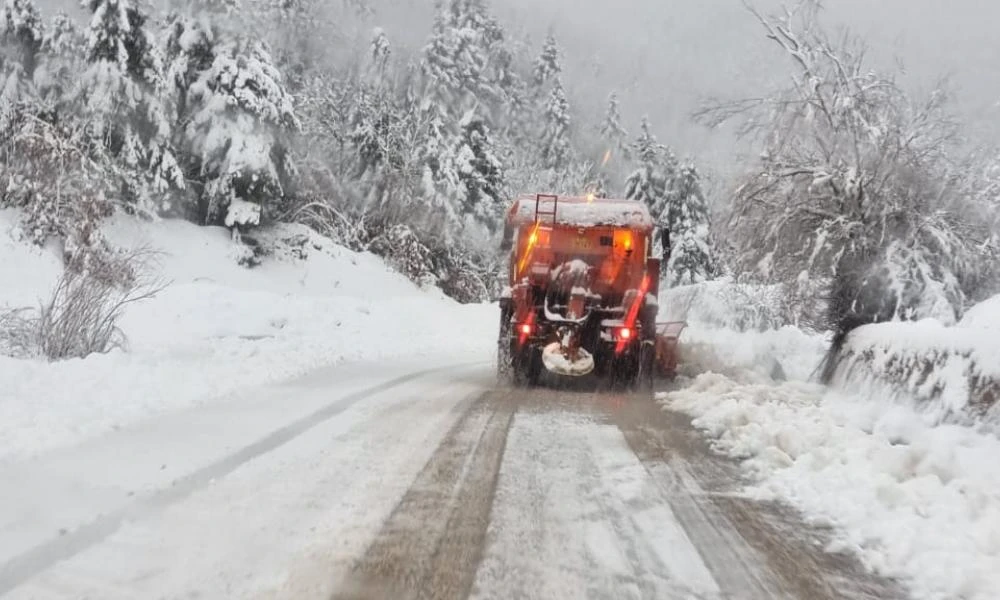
point(220, 328)
point(950, 373)
point(912, 499)
point(732, 328)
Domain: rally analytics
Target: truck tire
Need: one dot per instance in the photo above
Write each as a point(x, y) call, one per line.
point(527, 369)
point(505, 358)
point(646, 365)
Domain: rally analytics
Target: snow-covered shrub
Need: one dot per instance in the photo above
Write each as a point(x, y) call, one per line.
point(457, 273)
point(61, 190)
point(741, 306)
point(81, 316)
point(404, 251)
point(18, 333)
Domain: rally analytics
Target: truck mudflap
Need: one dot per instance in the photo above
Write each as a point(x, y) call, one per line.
point(667, 339)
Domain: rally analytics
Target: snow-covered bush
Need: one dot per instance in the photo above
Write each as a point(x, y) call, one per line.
point(81, 316)
point(457, 273)
point(741, 306)
point(63, 192)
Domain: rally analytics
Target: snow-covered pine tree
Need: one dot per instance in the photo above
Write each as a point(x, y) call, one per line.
point(686, 214)
point(21, 34)
point(439, 179)
point(63, 49)
point(481, 174)
point(240, 116)
point(612, 131)
point(455, 59)
point(379, 51)
point(646, 184)
point(548, 65)
point(21, 39)
point(555, 140)
point(122, 94)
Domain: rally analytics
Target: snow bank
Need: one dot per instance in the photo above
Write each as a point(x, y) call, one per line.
point(912, 499)
point(951, 374)
point(726, 333)
point(220, 328)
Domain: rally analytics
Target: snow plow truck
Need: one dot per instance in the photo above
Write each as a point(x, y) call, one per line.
point(581, 292)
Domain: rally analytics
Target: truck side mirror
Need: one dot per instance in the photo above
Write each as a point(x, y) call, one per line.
point(665, 242)
point(508, 238)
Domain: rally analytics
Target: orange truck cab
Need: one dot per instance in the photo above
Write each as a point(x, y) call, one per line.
point(581, 289)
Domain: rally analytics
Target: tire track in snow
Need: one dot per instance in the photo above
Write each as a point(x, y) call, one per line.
point(23, 567)
point(431, 545)
point(755, 550)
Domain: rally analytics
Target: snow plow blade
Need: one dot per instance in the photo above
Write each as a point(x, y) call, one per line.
point(667, 339)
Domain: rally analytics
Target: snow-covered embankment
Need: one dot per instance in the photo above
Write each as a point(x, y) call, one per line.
point(902, 483)
point(951, 374)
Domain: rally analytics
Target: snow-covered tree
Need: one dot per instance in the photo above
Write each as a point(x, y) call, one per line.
point(548, 65)
point(481, 174)
point(853, 188)
point(122, 94)
point(611, 130)
point(456, 59)
point(240, 117)
point(676, 202)
point(379, 51)
point(648, 184)
point(441, 183)
point(20, 34)
point(21, 39)
point(686, 214)
point(555, 146)
point(63, 49)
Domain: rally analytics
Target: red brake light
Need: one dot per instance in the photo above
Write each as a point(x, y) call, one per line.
point(625, 333)
point(526, 329)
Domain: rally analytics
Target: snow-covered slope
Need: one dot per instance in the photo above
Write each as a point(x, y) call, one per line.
point(219, 328)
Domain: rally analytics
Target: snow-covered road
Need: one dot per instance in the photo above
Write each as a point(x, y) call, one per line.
point(402, 481)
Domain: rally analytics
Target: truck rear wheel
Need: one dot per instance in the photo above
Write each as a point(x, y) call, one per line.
point(527, 369)
point(646, 366)
point(505, 358)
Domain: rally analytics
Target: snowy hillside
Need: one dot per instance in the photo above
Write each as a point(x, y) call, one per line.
point(219, 329)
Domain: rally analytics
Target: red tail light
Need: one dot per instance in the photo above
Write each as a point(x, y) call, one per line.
point(625, 333)
point(526, 329)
